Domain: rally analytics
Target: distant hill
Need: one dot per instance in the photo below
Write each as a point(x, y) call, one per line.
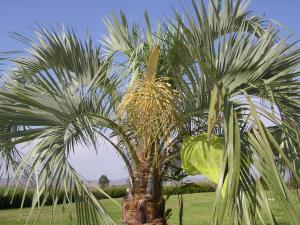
point(124, 181)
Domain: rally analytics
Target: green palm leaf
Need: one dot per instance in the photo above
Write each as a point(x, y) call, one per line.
point(56, 98)
point(201, 156)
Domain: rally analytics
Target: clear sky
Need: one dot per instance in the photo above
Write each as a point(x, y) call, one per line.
point(85, 15)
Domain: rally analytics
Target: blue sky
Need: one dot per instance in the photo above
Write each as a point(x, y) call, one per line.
point(85, 15)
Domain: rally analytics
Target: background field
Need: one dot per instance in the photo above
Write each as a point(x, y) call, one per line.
point(197, 211)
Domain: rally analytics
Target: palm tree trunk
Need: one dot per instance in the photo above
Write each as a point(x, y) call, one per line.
point(143, 209)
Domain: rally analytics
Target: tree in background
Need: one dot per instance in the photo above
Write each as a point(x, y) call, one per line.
point(103, 181)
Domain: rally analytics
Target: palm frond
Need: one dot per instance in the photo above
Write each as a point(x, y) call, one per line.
point(61, 93)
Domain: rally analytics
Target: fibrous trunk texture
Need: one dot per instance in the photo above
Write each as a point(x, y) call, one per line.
point(143, 209)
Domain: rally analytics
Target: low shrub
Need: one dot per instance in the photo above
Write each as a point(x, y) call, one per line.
point(10, 201)
point(6, 201)
point(189, 189)
point(113, 191)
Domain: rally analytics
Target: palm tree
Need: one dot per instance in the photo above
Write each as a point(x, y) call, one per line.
point(223, 72)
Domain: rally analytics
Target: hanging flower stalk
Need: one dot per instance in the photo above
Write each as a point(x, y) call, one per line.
point(149, 110)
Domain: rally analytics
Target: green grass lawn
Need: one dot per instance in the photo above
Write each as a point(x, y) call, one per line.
point(197, 211)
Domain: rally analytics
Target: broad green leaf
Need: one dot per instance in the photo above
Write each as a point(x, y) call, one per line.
point(200, 156)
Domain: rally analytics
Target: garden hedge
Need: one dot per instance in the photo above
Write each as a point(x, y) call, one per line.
point(114, 192)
